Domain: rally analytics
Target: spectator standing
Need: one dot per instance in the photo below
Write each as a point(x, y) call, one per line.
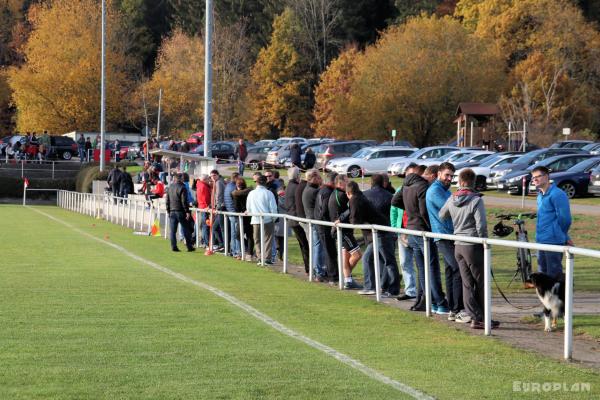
point(309, 159)
point(203, 196)
point(114, 181)
point(81, 147)
point(387, 185)
point(377, 211)
point(125, 184)
point(272, 185)
point(437, 195)
point(88, 148)
point(117, 144)
point(295, 155)
point(413, 201)
point(553, 222)
point(240, 196)
point(179, 213)
point(309, 197)
point(398, 219)
point(262, 201)
point(219, 204)
point(467, 211)
point(46, 142)
point(233, 221)
point(279, 225)
point(321, 213)
point(291, 209)
point(242, 153)
point(338, 212)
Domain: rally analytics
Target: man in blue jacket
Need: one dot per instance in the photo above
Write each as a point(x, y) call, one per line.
point(437, 195)
point(553, 221)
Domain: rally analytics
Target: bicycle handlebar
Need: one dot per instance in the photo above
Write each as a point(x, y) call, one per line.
point(507, 217)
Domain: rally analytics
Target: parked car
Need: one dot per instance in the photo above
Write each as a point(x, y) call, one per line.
point(513, 182)
point(473, 159)
point(594, 186)
point(288, 140)
point(593, 148)
point(574, 181)
point(264, 142)
point(482, 171)
point(223, 151)
point(399, 143)
point(369, 161)
point(315, 146)
point(63, 147)
point(570, 144)
point(426, 153)
point(453, 157)
point(330, 151)
point(523, 162)
point(257, 156)
point(4, 142)
point(277, 155)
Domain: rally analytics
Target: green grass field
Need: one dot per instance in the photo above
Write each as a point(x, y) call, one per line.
point(82, 320)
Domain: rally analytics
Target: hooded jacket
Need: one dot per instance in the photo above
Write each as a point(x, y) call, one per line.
point(467, 211)
point(290, 201)
point(412, 200)
point(309, 198)
point(553, 217)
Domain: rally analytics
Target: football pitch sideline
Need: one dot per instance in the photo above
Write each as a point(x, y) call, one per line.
point(88, 310)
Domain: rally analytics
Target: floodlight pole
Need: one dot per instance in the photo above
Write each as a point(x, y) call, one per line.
point(103, 87)
point(146, 116)
point(208, 80)
point(158, 118)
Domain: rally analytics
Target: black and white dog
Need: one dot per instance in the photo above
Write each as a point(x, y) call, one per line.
point(551, 292)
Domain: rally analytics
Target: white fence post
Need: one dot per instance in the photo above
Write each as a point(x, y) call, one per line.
point(285, 244)
point(243, 246)
point(569, 263)
point(262, 241)
point(310, 253)
point(376, 264)
point(427, 288)
point(340, 257)
point(487, 284)
point(225, 232)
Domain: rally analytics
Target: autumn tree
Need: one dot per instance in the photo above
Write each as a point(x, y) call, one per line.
point(332, 93)
point(279, 92)
point(553, 54)
point(413, 78)
point(58, 87)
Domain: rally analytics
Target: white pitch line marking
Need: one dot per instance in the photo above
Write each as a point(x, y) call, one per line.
point(347, 360)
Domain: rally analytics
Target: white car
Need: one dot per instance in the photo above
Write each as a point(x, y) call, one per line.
point(418, 157)
point(282, 141)
point(369, 161)
point(482, 171)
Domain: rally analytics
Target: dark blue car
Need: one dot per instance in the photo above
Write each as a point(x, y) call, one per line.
point(575, 180)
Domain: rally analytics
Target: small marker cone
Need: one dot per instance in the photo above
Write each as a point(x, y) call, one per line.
point(208, 252)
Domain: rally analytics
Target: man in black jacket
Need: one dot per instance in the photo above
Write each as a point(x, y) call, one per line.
point(290, 206)
point(381, 200)
point(178, 210)
point(309, 198)
point(338, 212)
point(295, 155)
point(412, 199)
point(321, 213)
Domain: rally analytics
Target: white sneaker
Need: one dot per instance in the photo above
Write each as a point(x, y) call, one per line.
point(463, 317)
point(366, 292)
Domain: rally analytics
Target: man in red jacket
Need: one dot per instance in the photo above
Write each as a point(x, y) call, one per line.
point(203, 195)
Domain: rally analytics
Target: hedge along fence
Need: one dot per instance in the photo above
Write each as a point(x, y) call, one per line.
point(13, 187)
point(91, 173)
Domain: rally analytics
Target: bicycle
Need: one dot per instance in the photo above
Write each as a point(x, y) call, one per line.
point(524, 266)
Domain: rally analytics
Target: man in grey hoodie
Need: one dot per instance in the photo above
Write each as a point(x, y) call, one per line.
point(467, 211)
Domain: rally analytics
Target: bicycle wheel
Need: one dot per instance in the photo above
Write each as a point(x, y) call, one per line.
point(524, 263)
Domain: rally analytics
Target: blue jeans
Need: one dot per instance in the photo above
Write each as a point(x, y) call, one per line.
point(81, 151)
point(234, 234)
point(452, 273)
point(204, 228)
point(218, 230)
point(408, 270)
point(178, 218)
point(390, 276)
point(241, 167)
point(550, 263)
point(417, 245)
point(318, 256)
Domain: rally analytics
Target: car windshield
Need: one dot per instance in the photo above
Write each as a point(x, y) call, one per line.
point(530, 157)
point(585, 165)
point(465, 157)
point(490, 160)
point(457, 157)
point(362, 153)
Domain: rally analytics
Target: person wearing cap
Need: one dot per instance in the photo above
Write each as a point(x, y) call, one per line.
point(178, 210)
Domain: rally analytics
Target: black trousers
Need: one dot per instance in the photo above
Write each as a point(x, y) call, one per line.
point(176, 218)
point(330, 250)
point(303, 242)
point(470, 263)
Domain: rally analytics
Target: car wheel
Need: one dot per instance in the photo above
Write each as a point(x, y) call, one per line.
point(480, 184)
point(569, 189)
point(254, 165)
point(66, 155)
point(354, 171)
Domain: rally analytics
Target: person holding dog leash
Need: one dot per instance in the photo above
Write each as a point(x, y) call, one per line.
point(553, 222)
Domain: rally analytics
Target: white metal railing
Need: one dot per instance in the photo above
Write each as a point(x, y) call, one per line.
point(138, 214)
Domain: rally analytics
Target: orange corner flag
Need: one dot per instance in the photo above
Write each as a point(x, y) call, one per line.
point(155, 230)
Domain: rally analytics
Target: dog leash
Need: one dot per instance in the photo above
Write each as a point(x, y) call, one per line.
point(506, 298)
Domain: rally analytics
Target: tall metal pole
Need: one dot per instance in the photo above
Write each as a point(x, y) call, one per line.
point(208, 80)
point(146, 116)
point(158, 118)
point(103, 87)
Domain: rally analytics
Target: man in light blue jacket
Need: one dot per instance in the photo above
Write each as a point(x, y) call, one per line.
point(553, 222)
point(437, 195)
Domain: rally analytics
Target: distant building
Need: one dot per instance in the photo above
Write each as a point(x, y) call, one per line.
point(476, 125)
point(108, 136)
